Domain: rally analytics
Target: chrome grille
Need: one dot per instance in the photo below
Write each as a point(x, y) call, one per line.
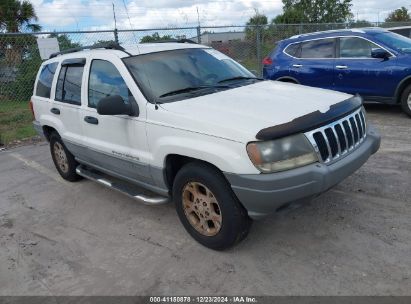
point(339, 137)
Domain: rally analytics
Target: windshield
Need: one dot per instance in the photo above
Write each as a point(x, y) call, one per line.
point(183, 73)
point(395, 41)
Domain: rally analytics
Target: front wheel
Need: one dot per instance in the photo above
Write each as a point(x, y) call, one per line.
point(208, 208)
point(406, 100)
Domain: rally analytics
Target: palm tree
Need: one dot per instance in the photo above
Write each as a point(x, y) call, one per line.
point(16, 17)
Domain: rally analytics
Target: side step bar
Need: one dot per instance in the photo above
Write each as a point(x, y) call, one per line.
point(130, 191)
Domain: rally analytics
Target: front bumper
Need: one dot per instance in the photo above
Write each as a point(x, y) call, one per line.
point(262, 194)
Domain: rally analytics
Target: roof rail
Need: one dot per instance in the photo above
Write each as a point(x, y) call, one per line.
point(110, 46)
point(355, 30)
point(175, 40)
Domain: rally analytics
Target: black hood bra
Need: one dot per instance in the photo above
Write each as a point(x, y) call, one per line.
point(312, 120)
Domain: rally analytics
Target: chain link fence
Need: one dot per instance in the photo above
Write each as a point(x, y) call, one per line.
point(20, 57)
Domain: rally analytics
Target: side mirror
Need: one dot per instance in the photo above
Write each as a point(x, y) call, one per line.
point(380, 54)
point(114, 105)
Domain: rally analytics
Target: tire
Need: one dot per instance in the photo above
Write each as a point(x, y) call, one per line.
point(63, 160)
point(406, 100)
point(208, 208)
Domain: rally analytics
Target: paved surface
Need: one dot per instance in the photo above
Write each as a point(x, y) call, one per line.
point(82, 239)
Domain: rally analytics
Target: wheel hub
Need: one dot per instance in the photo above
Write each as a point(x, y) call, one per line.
point(60, 157)
point(202, 209)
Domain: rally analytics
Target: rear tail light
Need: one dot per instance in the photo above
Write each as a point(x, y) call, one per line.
point(32, 109)
point(267, 61)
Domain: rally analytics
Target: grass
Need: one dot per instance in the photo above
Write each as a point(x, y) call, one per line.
point(15, 121)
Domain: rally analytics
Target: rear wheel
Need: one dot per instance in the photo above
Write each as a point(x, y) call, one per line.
point(406, 100)
point(63, 160)
point(208, 208)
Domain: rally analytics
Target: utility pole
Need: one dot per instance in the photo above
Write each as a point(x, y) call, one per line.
point(198, 27)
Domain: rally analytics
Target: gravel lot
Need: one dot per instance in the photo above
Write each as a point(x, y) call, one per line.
point(58, 238)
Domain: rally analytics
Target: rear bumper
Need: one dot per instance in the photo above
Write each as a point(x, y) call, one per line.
point(39, 129)
point(262, 194)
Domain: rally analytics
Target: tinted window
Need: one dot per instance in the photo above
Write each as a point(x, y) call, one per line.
point(395, 41)
point(69, 84)
point(352, 47)
point(322, 48)
point(163, 72)
point(45, 80)
point(105, 80)
point(292, 49)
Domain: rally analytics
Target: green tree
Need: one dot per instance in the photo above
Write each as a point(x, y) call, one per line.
point(18, 16)
point(254, 24)
point(64, 41)
point(155, 37)
point(399, 15)
point(360, 23)
point(104, 42)
point(315, 11)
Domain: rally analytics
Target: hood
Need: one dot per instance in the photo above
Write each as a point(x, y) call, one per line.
point(239, 114)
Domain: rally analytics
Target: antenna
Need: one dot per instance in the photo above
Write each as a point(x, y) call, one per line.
point(129, 20)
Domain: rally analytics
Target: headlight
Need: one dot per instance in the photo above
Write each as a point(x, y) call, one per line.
point(281, 154)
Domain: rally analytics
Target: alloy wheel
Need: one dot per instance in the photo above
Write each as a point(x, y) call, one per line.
point(60, 157)
point(202, 209)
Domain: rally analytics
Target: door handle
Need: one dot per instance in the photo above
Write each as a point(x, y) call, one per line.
point(55, 111)
point(91, 120)
point(341, 67)
point(297, 65)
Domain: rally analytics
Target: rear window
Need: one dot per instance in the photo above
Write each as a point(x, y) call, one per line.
point(45, 80)
point(321, 48)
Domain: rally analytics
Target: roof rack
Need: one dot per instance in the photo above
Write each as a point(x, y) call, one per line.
point(175, 40)
point(109, 46)
point(355, 30)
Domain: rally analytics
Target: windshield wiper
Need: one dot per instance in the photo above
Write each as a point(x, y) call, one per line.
point(189, 89)
point(238, 78)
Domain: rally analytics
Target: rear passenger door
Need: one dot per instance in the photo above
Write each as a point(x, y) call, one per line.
point(43, 91)
point(314, 62)
point(116, 143)
point(66, 105)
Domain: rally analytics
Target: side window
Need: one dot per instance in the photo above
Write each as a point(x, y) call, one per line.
point(105, 80)
point(321, 48)
point(293, 49)
point(45, 80)
point(69, 84)
point(352, 47)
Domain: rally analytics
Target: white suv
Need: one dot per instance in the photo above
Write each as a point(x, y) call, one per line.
point(182, 122)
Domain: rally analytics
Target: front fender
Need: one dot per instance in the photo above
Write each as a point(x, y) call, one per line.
point(226, 155)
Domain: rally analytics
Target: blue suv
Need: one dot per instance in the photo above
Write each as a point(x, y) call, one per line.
point(372, 62)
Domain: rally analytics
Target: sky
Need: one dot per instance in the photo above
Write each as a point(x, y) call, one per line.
point(98, 14)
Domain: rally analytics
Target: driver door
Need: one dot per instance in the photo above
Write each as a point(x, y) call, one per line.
point(357, 72)
point(116, 143)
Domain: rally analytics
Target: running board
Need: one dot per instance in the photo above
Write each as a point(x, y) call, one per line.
point(134, 192)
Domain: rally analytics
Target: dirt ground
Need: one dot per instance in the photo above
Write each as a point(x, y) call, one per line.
point(58, 238)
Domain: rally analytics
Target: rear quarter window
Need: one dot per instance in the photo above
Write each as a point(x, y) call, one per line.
point(292, 49)
point(45, 80)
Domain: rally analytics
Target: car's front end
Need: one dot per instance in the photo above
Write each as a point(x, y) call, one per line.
point(307, 163)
